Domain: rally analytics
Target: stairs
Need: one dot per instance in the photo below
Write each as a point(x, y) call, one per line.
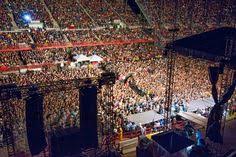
point(21, 58)
point(13, 21)
point(12, 17)
point(141, 7)
point(31, 39)
point(95, 23)
point(55, 24)
point(129, 145)
point(115, 11)
point(65, 37)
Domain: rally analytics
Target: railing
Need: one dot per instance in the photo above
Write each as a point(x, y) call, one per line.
point(28, 67)
point(74, 44)
point(133, 134)
point(15, 48)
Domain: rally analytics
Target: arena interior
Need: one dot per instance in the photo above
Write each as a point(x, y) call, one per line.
point(51, 50)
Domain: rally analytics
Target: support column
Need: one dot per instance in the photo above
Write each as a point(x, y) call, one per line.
point(169, 80)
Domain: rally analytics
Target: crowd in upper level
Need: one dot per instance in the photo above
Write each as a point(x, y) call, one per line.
point(5, 19)
point(101, 16)
point(146, 64)
point(35, 9)
point(13, 39)
point(190, 17)
point(68, 13)
point(43, 37)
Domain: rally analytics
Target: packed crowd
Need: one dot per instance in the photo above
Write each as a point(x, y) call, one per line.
point(34, 57)
point(200, 13)
point(48, 56)
point(73, 14)
point(123, 9)
point(81, 36)
point(83, 15)
point(47, 37)
point(14, 39)
point(10, 59)
point(43, 37)
point(122, 34)
point(100, 11)
point(5, 20)
point(189, 16)
point(142, 65)
point(68, 13)
point(79, 14)
point(146, 64)
point(35, 9)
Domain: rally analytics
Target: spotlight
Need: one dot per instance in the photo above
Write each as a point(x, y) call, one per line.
point(27, 18)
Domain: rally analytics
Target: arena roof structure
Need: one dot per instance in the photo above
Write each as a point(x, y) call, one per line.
point(210, 45)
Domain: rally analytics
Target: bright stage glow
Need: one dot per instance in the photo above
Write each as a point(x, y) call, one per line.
point(27, 17)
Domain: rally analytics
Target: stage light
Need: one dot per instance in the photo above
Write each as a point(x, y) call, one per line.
point(27, 18)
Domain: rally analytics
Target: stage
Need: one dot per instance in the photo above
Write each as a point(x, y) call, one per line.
point(145, 117)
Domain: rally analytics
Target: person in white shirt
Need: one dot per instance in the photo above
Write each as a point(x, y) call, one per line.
point(143, 129)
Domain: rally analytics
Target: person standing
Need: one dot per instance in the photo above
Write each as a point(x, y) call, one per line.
point(120, 134)
point(143, 129)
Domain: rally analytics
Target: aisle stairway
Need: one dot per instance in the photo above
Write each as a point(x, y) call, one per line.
point(94, 22)
point(122, 19)
point(55, 24)
point(30, 37)
point(12, 17)
point(65, 37)
point(13, 21)
point(128, 146)
point(142, 9)
point(21, 58)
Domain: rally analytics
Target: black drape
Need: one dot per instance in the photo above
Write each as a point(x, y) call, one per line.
point(228, 94)
point(213, 123)
point(213, 77)
point(214, 132)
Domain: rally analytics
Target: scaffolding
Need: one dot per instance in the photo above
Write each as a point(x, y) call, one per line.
point(7, 117)
point(169, 82)
point(170, 72)
point(10, 92)
point(226, 80)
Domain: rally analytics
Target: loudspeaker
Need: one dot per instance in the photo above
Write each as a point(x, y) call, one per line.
point(34, 123)
point(88, 116)
point(65, 142)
